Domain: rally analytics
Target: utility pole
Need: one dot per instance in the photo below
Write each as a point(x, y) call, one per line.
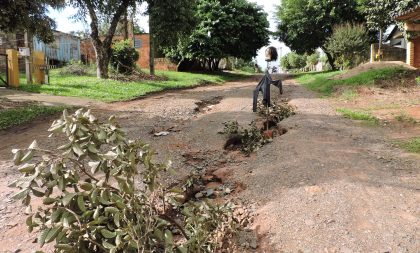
point(152, 47)
point(27, 60)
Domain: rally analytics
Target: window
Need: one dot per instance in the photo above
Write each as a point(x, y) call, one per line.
point(137, 43)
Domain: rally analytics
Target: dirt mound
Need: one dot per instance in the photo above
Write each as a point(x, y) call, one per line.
point(368, 66)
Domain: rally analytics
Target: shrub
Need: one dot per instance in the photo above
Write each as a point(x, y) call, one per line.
point(349, 44)
point(75, 68)
point(293, 60)
point(101, 193)
point(124, 57)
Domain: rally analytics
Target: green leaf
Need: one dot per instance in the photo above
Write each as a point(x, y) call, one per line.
point(96, 213)
point(64, 247)
point(49, 201)
point(43, 235)
point(34, 145)
point(92, 149)
point(52, 234)
point(29, 221)
point(81, 203)
point(111, 209)
point(37, 193)
point(18, 156)
point(86, 186)
point(28, 156)
point(55, 215)
point(77, 149)
point(67, 199)
point(94, 166)
point(27, 168)
point(108, 245)
point(108, 234)
point(169, 239)
point(21, 195)
point(117, 219)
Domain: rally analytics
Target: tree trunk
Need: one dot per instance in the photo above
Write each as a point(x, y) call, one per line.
point(380, 44)
point(151, 45)
point(330, 59)
point(103, 48)
point(102, 61)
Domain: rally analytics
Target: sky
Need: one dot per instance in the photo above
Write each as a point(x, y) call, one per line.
point(66, 24)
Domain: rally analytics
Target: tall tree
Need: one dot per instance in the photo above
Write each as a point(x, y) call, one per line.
point(29, 15)
point(169, 22)
point(234, 28)
point(380, 14)
point(98, 10)
point(305, 25)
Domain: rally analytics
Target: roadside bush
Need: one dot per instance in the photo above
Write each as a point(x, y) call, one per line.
point(124, 57)
point(101, 193)
point(349, 44)
point(293, 60)
point(76, 68)
point(312, 60)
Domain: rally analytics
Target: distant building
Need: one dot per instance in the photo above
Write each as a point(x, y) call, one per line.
point(396, 38)
point(64, 49)
point(412, 28)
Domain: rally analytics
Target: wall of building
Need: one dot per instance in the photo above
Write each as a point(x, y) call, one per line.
point(65, 48)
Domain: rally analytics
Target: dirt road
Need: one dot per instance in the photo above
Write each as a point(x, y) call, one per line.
point(328, 185)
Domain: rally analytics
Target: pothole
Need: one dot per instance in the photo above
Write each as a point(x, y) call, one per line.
point(206, 105)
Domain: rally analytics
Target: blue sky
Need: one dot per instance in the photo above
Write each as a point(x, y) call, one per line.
point(66, 24)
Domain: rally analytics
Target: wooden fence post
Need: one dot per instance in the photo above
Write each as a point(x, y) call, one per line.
point(13, 67)
point(39, 67)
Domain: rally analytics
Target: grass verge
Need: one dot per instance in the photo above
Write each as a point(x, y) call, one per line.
point(111, 90)
point(358, 115)
point(17, 116)
point(323, 82)
point(411, 145)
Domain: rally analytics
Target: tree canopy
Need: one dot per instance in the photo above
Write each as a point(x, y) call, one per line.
point(29, 15)
point(306, 25)
point(235, 28)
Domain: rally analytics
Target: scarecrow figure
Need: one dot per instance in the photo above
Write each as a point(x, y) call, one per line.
point(264, 85)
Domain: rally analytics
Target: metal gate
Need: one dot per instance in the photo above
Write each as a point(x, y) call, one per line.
point(4, 75)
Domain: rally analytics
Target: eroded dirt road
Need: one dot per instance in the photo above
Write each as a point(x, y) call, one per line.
point(328, 185)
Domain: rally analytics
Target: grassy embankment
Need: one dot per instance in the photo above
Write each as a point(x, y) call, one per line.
point(111, 90)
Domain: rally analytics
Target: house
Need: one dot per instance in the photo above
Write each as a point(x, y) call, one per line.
point(411, 19)
point(64, 49)
point(396, 38)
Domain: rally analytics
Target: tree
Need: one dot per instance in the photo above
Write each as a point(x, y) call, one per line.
point(124, 57)
point(349, 44)
point(297, 61)
point(380, 14)
point(226, 28)
point(163, 34)
point(306, 25)
point(99, 10)
point(29, 15)
point(284, 62)
point(312, 60)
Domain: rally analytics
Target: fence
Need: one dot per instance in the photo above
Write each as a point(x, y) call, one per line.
point(389, 53)
point(3, 70)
